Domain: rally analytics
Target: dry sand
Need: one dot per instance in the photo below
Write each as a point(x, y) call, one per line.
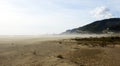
point(53, 51)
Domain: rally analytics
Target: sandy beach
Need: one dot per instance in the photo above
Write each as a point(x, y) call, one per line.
point(54, 51)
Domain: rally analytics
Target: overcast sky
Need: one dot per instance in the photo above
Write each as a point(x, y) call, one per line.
point(34, 17)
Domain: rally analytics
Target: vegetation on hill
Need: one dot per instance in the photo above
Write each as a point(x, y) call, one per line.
point(111, 25)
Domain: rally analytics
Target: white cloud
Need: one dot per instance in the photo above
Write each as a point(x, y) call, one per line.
point(46, 16)
point(101, 13)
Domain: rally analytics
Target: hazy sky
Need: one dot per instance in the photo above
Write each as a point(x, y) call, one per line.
point(36, 17)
